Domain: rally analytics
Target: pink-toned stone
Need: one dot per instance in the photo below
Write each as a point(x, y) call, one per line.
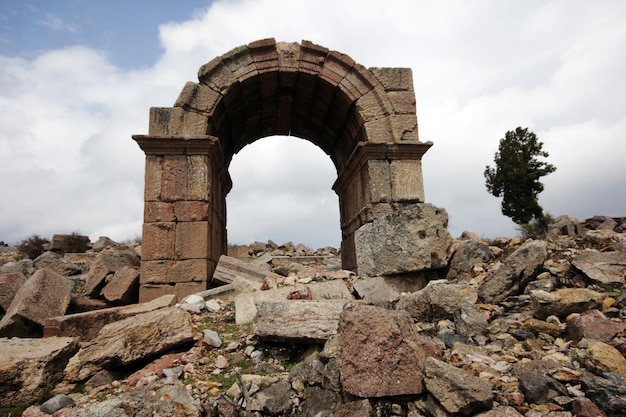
point(191, 211)
point(174, 182)
point(45, 294)
point(123, 286)
point(158, 241)
point(10, 283)
point(149, 292)
point(107, 262)
point(593, 324)
point(192, 240)
point(380, 352)
point(158, 211)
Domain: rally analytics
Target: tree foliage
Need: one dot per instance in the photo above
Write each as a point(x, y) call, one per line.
point(516, 176)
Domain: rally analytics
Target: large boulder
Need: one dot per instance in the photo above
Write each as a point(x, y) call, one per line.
point(123, 286)
point(45, 294)
point(469, 253)
point(439, 300)
point(518, 270)
point(10, 283)
point(414, 238)
point(129, 340)
point(107, 263)
point(380, 352)
point(29, 368)
point(57, 263)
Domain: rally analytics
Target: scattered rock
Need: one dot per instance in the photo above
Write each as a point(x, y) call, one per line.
point(600, 358)
point(123, 286)
point(56, 403)
point(592, 324)
point(438, 300)
point(57, 263)
point(10, 283)
point(29, 368)
point(564, 301)
point(516, 272)
point(469, 253)
point(45, 294)
point(129, 340)
point(608, 268)
point(106, 263)
point(455, 389)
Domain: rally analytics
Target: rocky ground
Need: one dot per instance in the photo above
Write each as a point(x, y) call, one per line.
point(509, 328)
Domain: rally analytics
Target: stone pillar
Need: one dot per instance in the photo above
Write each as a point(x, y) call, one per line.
point(184, 231)
point(377, 180)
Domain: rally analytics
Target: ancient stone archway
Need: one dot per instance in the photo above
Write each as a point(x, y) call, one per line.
point(364, 119)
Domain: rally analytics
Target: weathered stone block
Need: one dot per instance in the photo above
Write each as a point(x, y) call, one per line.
point(153, 177)
point(405, 127)
point(406, 181)
point(154, 271)
point(129, 340)
point(157, 211)
point(123, 286)
point(191, 211)
point(158, 241)
point(10, 283)
point(30, 368)
point(198, 96)
point(45, 294)
point(148, 292)
point(159, 121)
point(199, 186)
point(174, 180)
point(188, 270)
point(192, 240)
point(379, 131)
point(379, 181)
point(414, 238)
point(394, 79)
point(403, 102)
point(183, 289)
point(297, 321)
point(380, 352)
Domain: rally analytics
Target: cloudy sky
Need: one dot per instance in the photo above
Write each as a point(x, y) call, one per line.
point(77, 79)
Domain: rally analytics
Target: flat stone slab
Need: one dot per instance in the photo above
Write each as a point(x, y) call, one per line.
point(298, 321)
point(246, 302)
point(86, 325)
point(229, 269)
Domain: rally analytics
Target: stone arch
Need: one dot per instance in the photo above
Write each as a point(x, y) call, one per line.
point(364, 119)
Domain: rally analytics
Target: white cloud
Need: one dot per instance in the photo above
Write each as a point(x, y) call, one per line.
point(57, 24)
point(479, 69)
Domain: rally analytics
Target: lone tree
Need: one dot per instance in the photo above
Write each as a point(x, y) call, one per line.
point(516, 177)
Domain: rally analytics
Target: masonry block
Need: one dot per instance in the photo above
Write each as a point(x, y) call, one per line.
point(191, 211)
point(406, 181)
point(187, 271)
point(174, 180)
point(183, 289)
point(379, 180)
point(148, 292)
point(153, 177)
point(158, 211)
point(154, 271)
point(199, 184)
point(192, 240)
point(158, 241)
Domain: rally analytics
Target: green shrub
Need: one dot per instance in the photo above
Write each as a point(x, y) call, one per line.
point(32, 247)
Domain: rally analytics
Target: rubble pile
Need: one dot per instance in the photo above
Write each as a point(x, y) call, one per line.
point(509, 327)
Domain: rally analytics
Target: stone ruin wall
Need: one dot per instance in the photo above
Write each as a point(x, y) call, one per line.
point(364, 119)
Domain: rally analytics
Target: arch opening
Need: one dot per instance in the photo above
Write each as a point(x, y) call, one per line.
point(282, 190)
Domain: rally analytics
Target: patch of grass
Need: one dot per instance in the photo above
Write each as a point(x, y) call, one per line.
point(14, 411)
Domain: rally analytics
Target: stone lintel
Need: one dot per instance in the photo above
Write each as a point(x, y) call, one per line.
point(179, 145)
point(365, 151)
